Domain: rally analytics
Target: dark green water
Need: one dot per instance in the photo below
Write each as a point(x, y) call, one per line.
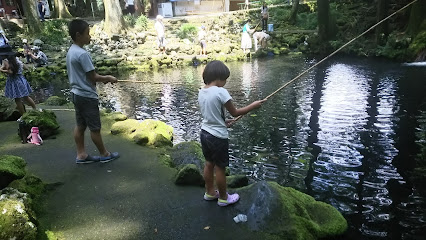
point(344, 133)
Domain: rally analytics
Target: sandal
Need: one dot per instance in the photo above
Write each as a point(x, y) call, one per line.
point(88, 159)
point(232, 198)
point(208, 197)
point(110, 157)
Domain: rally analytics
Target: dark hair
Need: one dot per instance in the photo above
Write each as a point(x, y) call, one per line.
point(215, 70)
point(13, 64)
point(77, 26)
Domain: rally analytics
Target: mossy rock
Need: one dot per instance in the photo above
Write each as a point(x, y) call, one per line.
point(55, 101)
point(8, 109)
point(188, 153)
point(15, 221)
point(237, 181)
point(44, 120)
point(189, 175)
point(11, 168)
point(284, 213)
point(146, 133)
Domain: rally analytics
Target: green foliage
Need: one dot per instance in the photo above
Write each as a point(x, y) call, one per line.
point(55, 101)
point(142, 23)
point(312, 5)
point(187, 30)
point(130, 20)
point(279, 14)
point(307, 21)
point(419, 43)
point(54, 31)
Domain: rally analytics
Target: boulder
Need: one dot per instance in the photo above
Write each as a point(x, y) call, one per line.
point(15, 219)
point(44, 120)
point(189, 174)
point(284, 213)
point(8, 110)
point(11, 168)
point(55, 101)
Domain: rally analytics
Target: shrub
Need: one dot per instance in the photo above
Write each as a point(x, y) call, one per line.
point(130, 20)
point(307, 20)
point(187, 30)
point(142, 23)
point(54, 31)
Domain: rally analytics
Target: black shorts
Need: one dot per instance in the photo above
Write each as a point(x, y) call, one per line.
point(203, 43)
point(87, 112)
point(131, 9)
point(215, 149)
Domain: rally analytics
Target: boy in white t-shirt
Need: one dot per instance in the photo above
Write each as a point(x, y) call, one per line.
point(213, 100)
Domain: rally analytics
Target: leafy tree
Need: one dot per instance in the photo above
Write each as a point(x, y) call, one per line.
point(417, 17)
point(114, 21)
point(382, 31)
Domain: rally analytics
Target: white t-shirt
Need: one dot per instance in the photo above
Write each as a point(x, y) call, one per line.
point(79, 63)
point(212, 101)
point(159, 27)
point(130, 2)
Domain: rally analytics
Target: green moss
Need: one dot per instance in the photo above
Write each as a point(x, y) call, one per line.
point(55, 101)
point(15, 222)
point(45, 121)
point(12, 165)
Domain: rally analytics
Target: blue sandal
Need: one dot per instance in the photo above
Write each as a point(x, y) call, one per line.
point(112, 156)
point(88, 159)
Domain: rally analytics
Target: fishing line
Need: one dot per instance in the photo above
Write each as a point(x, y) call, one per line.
point(310, 68)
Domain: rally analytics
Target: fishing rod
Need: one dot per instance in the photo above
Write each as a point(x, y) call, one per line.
point(330, 55)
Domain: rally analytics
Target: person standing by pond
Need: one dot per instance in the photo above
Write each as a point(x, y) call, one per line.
point(17, 87)
point(213, 99)
point(41, 10)
point(159, 27)
point(265, 15)
point(83, 78)
point(202, 40)
point(245, 37)
point(130, 6)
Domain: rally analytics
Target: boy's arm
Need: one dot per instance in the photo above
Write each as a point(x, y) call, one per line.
point(93, 76)
point(241, 111)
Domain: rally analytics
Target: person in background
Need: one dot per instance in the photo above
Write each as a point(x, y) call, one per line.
point(265, 15)
point(213, 99)
point(17, 87)
point(130, 6)
point(202, 40)
point(41, 10)
point(83, 78)
point(159, 27)
point(262, 38)
point(38, 57)
point(245, 37)
point(4, 42)
point(27, 50)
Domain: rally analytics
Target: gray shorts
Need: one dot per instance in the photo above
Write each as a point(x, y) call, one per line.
point(87, 112)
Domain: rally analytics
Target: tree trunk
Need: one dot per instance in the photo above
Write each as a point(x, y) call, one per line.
point(153, 11)
point(323, 19)
point(61, 10)
point(417, 16)
point(114, 22)
point(293, 14)
point(382, 31)
point(32, 19)
point(140, 8)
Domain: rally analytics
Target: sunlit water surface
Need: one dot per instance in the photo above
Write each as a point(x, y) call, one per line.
point(342, 133)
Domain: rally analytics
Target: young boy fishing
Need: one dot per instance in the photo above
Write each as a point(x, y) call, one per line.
point(83, 78)
point(213, 100)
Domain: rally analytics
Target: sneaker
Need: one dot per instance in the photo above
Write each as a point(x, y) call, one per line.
point(232, 198)
point(112, 156)
point(208, 197)
point(19, 119)
point(88, 159)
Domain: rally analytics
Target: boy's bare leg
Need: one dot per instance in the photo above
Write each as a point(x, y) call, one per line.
point(221, 182)
point(209, 178)
point(97, 140)
point(79, 142)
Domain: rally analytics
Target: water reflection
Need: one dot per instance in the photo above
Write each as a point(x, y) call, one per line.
point(331, 134)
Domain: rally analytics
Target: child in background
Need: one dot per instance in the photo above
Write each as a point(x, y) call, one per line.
point(27, 50)
point(17, 87)
point(213, 100)
point(202, 40)
point(83, 78)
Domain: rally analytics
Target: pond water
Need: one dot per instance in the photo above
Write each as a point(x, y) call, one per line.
point(343, 133)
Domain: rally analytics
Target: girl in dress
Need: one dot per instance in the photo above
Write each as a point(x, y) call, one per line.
point(17, 87)
point(245, 38)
